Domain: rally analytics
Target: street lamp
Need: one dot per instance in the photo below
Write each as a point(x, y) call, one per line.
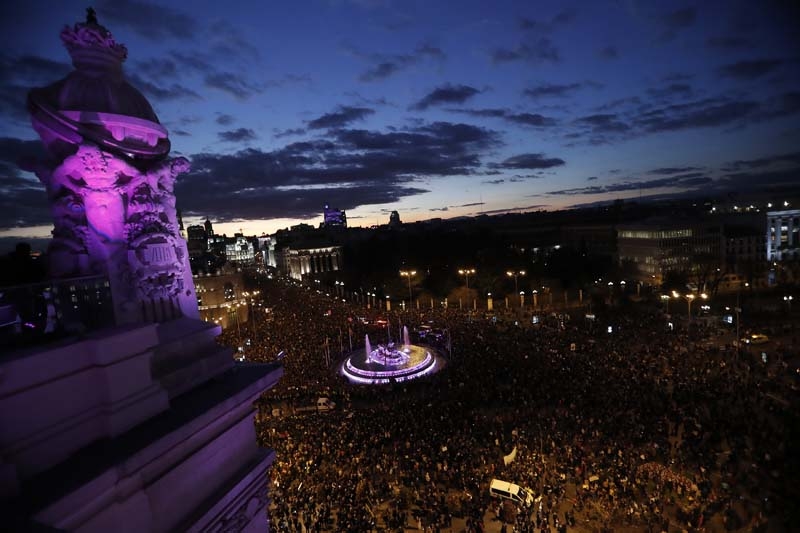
point(408, 274)
point(521, 299)
point(514, 274)
point(466, 272)
point(788, 300)
point(689, 299)
point(665, 299)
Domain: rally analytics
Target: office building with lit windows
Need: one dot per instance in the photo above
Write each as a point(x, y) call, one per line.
point(658, 246)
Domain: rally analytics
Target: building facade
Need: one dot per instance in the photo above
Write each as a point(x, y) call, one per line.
point(240, 251)
point(302, 262)
point(661, 245)
point(783, 235)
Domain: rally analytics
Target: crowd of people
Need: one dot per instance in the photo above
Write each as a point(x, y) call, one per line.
point(636, 427)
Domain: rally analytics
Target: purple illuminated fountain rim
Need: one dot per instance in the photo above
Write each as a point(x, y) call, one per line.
point(387, 364)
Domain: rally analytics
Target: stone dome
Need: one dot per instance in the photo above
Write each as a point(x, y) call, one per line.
point(101, 94)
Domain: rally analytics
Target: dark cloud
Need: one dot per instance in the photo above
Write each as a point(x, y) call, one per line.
point(238, 135)
point(530, 161)
point(18, 74)
point(682, 90)
point(729, 42)
point(430, 51)
point(224, 119)
point(161, 68)
point(232, 84)
point(154, 21)
point(23, 201)
point(446, 94)
point(676, 21)
point(535, 51)
point(591, 178)
point(609, 52)
point(514, 209)
point(604, 123)
point(351, 168)
point(792, 158)
point(782, 105)
point(530, 119)
point(196, 62)
point(382, 70)
point(547, 26)
point(749, 70)
point(163, 93)
point(524, 119)
point(690, 182)
point(227, 42)
point(700, 114)
point(673, 170)
point(384, 66)
point(494, 182)
point(558, 90)
point(677, 77)
point(288, 132)
point(343, 116)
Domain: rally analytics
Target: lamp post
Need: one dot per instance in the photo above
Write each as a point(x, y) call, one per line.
point(665, 299)
point(466, 272)
point(408, 274)
point(535, 298)
point(521, 299)
point(689, 299)
point(515, 274)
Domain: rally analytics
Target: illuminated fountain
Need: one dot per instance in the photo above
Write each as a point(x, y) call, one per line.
point(389, 362)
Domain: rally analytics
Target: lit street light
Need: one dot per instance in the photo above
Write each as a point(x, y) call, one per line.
point(466, 272)
point(408, 274)
point(515, 274)
point(689, 299)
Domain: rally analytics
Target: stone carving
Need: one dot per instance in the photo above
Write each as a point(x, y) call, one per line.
point(91, 35)
point(111, 188)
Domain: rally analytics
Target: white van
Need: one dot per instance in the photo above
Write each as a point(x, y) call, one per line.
point(510, 491)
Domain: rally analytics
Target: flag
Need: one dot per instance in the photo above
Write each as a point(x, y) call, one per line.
point(507, 459)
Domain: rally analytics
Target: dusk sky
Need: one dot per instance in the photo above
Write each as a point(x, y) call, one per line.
point(433, 109)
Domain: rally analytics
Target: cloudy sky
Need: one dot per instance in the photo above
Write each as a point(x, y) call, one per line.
point(430, 108)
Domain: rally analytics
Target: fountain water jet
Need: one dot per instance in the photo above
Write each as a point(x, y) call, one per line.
point(389, 362)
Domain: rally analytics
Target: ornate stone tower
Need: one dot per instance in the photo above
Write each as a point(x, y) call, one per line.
point(110, 182)
point(145, 425)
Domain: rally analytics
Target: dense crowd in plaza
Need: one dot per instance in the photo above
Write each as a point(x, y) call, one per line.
point(642, 428)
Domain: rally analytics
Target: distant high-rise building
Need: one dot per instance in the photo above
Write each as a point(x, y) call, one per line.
point(196, 240)
point(334, 217)
point(394, 219)
point(209, 228)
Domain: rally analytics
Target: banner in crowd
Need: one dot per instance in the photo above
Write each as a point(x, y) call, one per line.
point(507, 459)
